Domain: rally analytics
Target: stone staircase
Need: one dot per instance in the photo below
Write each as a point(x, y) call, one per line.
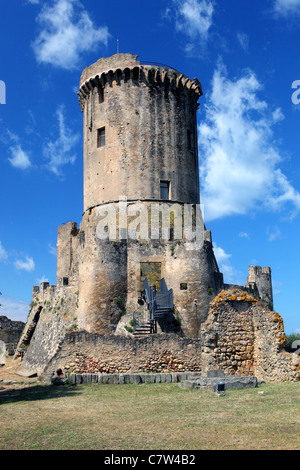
point(144, 329)
point(159, 305)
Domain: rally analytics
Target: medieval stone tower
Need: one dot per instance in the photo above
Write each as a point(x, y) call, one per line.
point(140, 171)
point(140, 145)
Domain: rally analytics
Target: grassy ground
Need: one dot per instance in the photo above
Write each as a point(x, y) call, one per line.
point(149, 417)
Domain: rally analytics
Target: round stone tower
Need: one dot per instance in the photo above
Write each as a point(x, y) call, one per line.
point(140, 143)
point(139, 130)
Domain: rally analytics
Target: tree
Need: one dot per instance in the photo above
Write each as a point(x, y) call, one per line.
point(292, 342)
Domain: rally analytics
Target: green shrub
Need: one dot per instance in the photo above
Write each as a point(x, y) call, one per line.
point(290, 340)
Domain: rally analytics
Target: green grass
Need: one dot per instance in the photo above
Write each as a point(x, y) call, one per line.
point(149, 417)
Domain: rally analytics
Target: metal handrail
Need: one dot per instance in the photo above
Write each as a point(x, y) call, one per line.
point(157, 64)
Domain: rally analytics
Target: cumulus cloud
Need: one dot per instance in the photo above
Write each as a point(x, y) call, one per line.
point(27, 265)
point(193, 18)
point(240, 160)
point(67, 31)
point(287, 7)
point(59, 152)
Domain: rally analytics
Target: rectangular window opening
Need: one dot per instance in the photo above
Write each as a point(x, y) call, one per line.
point(165, 190)
point(183, 286)
point(101, 137)
point(100, 94)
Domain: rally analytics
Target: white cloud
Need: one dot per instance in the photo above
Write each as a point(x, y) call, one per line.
point(67, 32)
point(243, 39)
point(287, 7)
point(273, 233)
point(244, 235)
point(239, 170)
point(60, 151)
point(14, 309)
point(224, 264)
point(27, 265)
point(52, 249)
point(194, 19)
point(3, 253)
point(42, 279)
point(19, 158)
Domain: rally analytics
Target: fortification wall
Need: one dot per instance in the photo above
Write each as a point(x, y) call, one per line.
point(10, 332)
point(86, 352)
point(53, 313)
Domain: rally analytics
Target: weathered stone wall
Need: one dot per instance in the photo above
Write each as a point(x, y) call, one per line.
point(240, 336)
point(10, 332)
point(89, 352)
point(52, 315)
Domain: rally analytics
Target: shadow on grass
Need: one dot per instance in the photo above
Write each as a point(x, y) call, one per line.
point(38, 392)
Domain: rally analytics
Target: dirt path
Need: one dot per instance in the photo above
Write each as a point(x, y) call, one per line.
point(9, 379)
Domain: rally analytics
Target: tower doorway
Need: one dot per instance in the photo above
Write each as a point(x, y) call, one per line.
point(152, 271)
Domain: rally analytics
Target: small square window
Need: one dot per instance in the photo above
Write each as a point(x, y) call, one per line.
point(101, 137)
point(165, 190)
point(183, 286)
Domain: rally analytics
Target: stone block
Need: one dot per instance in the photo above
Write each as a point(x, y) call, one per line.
point(105, 378)
point(78, 378)
point(215, 373)
point(2, 353)
point(231, 382)
point(94, 378)
point(72, 379)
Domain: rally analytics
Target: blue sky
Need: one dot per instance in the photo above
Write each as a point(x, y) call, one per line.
point(245, 54)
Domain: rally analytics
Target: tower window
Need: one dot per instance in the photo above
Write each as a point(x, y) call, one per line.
point(165, 189)
point(100, 94)
point(101, 137)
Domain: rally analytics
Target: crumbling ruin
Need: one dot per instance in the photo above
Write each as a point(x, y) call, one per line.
point(142, 237)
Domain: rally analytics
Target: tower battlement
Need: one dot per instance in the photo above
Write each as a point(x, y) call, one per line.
point(259, 280)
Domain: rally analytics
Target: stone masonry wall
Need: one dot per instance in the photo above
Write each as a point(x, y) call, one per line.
point(240, 336)
point(10, 332)
point(82, 352)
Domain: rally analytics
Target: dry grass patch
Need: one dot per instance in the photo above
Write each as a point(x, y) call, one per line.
point(150, 417)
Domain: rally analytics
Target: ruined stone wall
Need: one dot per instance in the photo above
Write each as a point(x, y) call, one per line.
point(10, 332)
point(241, 336)
point(53, 313)
point(86, 352)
